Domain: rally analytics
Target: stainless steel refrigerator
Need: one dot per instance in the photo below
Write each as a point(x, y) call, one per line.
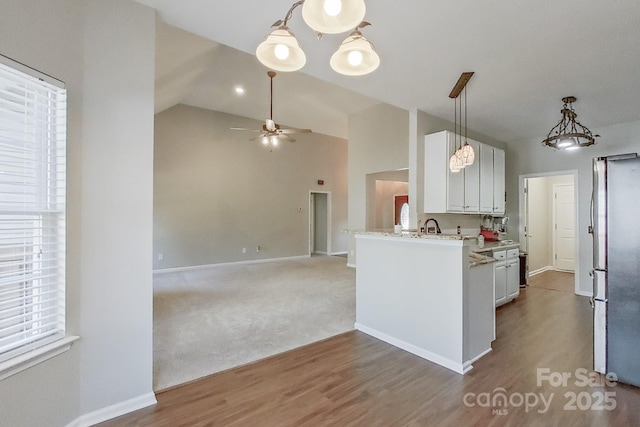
point(616, 266)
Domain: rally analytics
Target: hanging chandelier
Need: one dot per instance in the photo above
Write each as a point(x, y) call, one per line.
point(356, 56)
point(463, 156)
point(569, 133)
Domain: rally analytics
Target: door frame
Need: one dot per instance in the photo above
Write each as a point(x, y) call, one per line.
point(524, 212)
point(312, 208)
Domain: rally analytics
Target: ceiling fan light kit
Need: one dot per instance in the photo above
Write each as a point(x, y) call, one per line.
point(356, 56)
point(569, 134)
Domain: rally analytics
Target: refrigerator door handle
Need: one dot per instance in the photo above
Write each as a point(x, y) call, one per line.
point(596, 290)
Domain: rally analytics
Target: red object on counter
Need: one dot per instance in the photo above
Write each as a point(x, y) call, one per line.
point(489, 235)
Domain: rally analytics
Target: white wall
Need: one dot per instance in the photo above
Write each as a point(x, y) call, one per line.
point(384, 210)
point(104, 51)
point(530, 157)
point(216, 192)
point(378, 142)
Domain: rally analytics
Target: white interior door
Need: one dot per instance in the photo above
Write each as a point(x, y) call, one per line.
point(564, 227)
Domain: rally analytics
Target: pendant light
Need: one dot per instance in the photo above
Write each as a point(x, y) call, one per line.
point(464, 156)
point(333, 16)
point(467, 154)
point(569, 133)
point(356, 55)
point(455, 161)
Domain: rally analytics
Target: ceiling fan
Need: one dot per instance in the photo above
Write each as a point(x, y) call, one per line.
point(271, 132)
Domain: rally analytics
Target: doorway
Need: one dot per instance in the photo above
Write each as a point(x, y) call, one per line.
point(549, 222)
point(320, 223)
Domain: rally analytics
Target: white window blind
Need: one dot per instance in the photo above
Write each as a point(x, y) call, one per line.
point(32, 210)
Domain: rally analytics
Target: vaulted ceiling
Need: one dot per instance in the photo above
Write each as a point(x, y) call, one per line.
point(526, 56)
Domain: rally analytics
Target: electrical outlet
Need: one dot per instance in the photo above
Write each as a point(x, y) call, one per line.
point(160, 257)
point(244, 250)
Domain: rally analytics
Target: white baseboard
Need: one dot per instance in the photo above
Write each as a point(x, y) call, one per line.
point(540, 270)
point(222, 264)
point(339, 253)
point(114, 411)
point(351, 265)
point(460, 368)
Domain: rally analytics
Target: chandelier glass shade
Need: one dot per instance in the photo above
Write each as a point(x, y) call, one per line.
point(569, 133)
point(356, 56)
point(281, 51)
point(333, 16)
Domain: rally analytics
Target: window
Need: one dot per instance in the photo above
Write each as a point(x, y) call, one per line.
point(32, 211)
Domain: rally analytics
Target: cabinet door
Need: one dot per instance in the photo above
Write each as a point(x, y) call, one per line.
point(513, 278)
point(455, 184)
point(472, 182)
point(486, 179)
point(436, 160)
point(498, 181)
point(500, 282)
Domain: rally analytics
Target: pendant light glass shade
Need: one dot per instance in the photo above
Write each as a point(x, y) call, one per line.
point(281, 51)
point(467, 155)
point(355, 56)
point(333, 16)
point(455, 163)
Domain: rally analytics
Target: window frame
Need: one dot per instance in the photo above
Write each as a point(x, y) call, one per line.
point(49, 211)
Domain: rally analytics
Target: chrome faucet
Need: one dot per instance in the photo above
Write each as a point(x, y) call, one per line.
point(437, 226)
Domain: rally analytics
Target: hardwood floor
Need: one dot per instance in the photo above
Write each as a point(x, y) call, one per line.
point(356, 380)
point(554, 280)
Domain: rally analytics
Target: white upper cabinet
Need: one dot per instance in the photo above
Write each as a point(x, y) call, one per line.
point(486, 179)
point(498, 181)
point(472, 182)
point(472, 190)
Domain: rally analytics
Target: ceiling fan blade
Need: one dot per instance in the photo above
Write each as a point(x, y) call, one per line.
point(250, 130)
point(286, 137)
point(294, 130)
point(255, 138)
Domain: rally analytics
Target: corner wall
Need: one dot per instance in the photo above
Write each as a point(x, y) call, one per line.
point(104, 52)
point(378, 142)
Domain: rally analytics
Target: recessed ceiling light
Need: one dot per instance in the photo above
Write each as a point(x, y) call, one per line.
point(239, 90)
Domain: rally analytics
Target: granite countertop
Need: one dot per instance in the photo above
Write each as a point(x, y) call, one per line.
point(479, 259)
point(498, 245)
point(416, 235)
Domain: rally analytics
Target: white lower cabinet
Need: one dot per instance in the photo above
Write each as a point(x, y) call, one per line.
point(506, 275)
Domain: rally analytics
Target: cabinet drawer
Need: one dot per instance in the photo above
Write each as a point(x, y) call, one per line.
point(513, 253)
point(500, 255)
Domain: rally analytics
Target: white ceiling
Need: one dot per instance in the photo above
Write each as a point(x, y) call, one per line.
point(526, 56)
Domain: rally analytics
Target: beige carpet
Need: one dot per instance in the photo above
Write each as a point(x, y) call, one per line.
point(216, 318)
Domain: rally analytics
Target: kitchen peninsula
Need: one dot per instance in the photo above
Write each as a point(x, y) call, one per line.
point(426, 294)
